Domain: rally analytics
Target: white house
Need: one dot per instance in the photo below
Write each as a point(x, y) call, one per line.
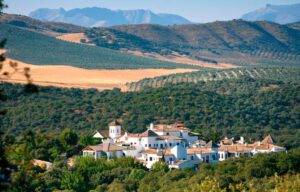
point(206, 154)
point(173, 144)
point(230, 149)
point(106, 149)
point(171, 156)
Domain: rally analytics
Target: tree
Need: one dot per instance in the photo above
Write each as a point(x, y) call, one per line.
point(72, 181)
point(117, 185)
point(4, 166)
point(160, 166)
point(86, 140)
point(68, 137)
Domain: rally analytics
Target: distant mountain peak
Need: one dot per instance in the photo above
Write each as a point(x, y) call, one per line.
point(281, 14)
point(96, 16)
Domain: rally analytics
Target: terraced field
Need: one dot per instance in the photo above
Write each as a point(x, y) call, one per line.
point(271, 73)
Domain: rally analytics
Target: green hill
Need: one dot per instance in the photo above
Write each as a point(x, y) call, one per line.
point(235, 41)
point(48, 28)
point(35, 48)
point(274, 73)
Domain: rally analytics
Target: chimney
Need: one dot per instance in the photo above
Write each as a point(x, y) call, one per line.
point(151, 126)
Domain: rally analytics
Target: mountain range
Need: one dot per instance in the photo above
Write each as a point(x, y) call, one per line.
point(96, 17)
point(281, 14)
point(238, 42)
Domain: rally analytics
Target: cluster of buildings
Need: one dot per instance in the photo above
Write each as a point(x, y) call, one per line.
point(174, 144)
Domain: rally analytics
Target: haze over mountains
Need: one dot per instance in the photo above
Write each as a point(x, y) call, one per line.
point(96, 17)
point(281, 14)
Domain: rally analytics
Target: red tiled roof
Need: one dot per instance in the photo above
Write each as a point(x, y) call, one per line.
point(148, 133)
point(199, 151)
point(170, 128)
point(211, 144)
point(235, 148)
point(157, 152)
point(268, 140)
point(268, 147)
point(106, 147)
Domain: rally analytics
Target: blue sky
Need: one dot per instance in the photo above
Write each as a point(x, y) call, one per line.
point(194, 10)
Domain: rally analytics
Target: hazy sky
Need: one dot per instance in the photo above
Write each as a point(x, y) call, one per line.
point(194, 10)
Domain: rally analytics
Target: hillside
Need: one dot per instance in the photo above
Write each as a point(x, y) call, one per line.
point(232, 42)
point(48, 28)
point(236, 41)
point(295, 26)
point(278, 74)
point(95, 17)
point(40, 49)
point(281, 14)
point(248, 107)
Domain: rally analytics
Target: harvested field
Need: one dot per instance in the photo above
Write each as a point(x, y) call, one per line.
point(68, 76)
point(74, 37)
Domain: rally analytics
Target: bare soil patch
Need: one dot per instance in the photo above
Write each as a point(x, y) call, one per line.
point(75, 38)
point(67, 76)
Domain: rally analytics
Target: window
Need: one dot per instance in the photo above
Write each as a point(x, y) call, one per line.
point(149, 145)
point(150, 158)
point(177, 143)
point(170, 144)
point(214, 157)
point(161, 145)
point(171, 159)
point(192, 157)
point(145, 145)
point(168, 133)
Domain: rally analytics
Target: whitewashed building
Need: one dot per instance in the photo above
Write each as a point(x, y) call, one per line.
point(106, 149)
point(173, 144)
point(230, 149)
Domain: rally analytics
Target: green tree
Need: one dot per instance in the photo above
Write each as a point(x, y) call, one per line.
point(117, 185)
point(72, 181)
point(68, 137)
point(160, 166)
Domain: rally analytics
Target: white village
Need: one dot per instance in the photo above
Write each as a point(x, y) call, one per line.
point(174, 144)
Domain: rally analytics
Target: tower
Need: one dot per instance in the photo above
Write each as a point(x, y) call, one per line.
point(114, 129)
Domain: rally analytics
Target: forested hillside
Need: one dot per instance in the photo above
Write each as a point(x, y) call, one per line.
point(248, 107)
point(35, 48)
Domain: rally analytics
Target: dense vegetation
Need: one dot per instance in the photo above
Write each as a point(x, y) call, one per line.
point(248, 107)
point(275, 73)
point(44, 50)
point(236, 41)
point(265, 172)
